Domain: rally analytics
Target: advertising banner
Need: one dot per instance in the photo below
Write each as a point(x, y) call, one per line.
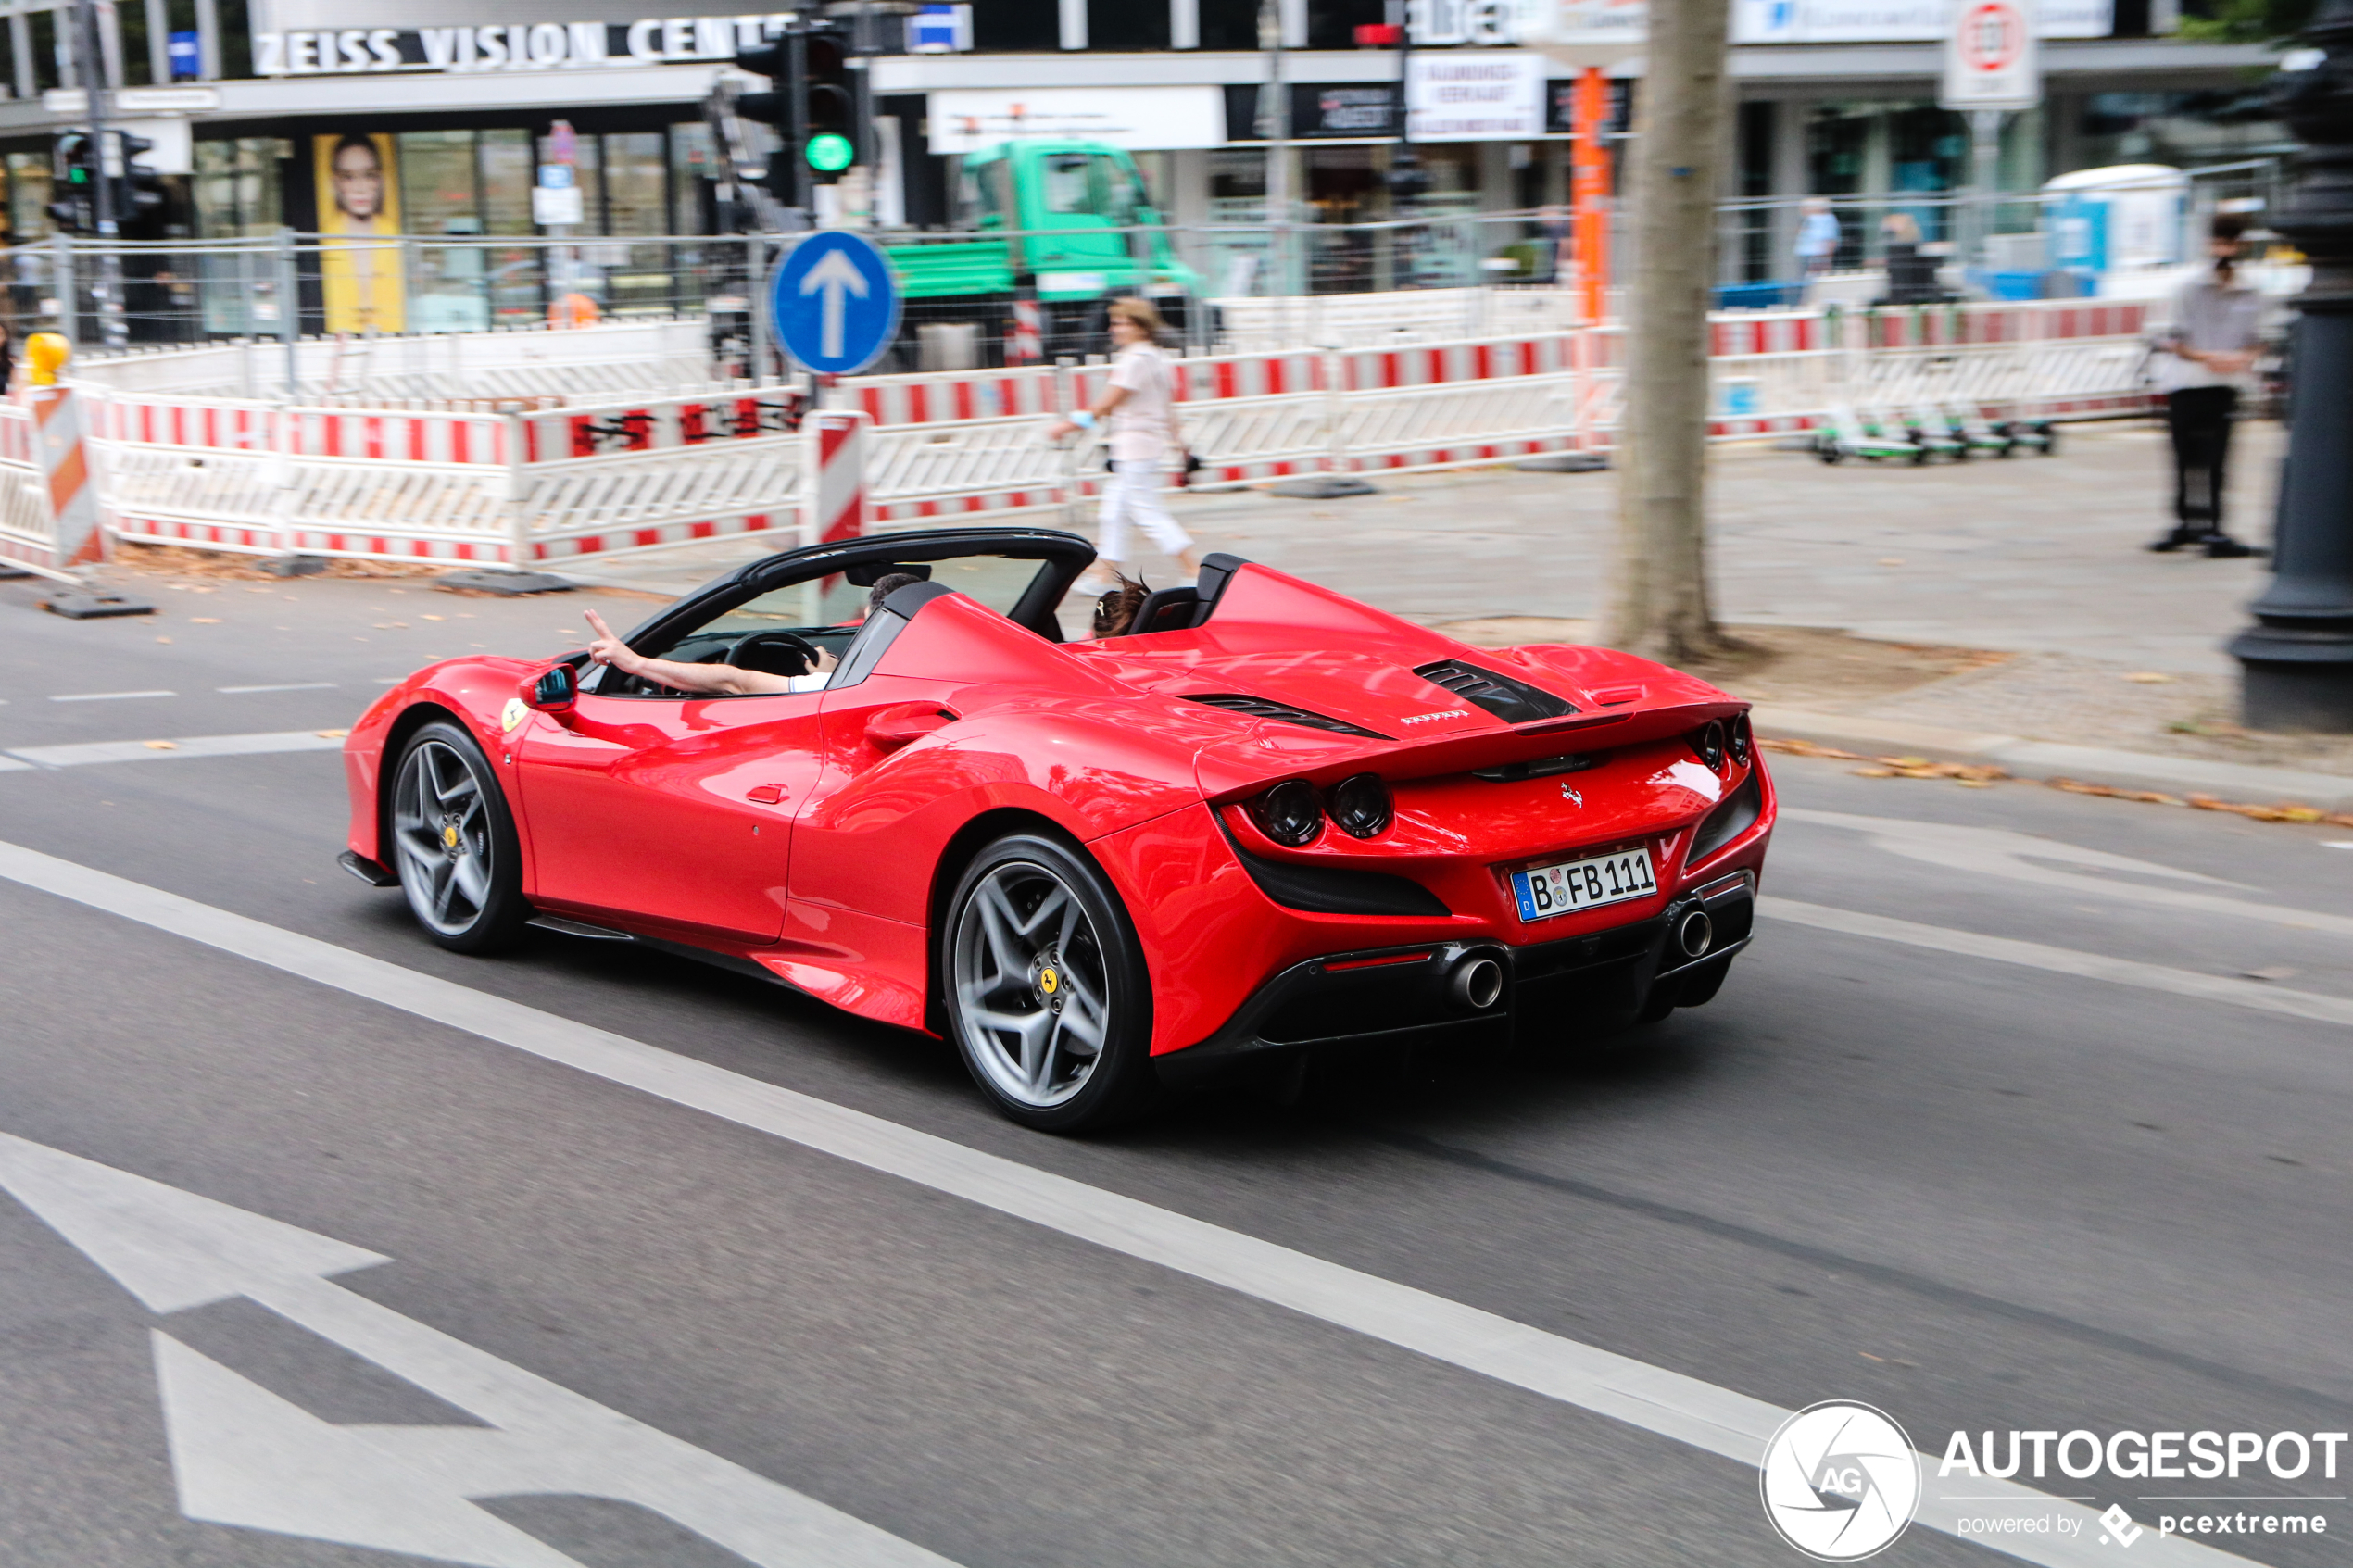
point(1475, 96)
point(1140, 118)
point(357, 178)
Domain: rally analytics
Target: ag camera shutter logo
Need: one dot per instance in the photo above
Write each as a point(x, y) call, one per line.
point(1840, 1481)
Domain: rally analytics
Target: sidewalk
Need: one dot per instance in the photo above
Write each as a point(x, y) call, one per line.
point(2019, 602)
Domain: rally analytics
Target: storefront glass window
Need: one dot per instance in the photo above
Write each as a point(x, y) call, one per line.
point(28, 196)
point(449, 285)
point(636, 277)
point(236, 194)
point(1928, 152)
point(504, 174)
point(236, 187)
point(1837, 145)
point(438, 182)
point(693, 161)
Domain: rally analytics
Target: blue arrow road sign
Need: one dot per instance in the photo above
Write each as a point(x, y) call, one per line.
point(834, 303)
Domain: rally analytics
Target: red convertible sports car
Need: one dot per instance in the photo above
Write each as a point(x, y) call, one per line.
point(1265, 819)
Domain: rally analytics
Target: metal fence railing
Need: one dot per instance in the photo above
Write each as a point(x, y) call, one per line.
point(974, 300)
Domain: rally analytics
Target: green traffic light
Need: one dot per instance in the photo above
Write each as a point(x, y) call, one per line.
point(830, 152)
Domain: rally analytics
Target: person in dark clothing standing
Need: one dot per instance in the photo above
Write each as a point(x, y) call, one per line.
point(2212, 345)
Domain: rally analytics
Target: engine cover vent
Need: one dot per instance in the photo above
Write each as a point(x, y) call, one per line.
point(1266, 708)
point(1515, 702)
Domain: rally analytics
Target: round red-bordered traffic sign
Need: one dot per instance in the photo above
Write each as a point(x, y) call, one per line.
point(1993, 36)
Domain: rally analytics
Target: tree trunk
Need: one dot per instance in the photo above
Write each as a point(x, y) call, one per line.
point(1662, 606)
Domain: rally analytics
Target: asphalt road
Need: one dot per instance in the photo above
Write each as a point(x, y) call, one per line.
point(2089, 1175)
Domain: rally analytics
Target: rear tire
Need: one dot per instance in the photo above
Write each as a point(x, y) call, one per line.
point(1048, 998)
point(454, 844)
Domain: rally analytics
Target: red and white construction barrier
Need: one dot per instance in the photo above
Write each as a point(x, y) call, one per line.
point(531, 486)
point(834, 471)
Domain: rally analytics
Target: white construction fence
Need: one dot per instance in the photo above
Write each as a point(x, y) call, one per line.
point(442, 464)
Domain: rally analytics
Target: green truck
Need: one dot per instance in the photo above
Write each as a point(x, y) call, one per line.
point(1068, 224)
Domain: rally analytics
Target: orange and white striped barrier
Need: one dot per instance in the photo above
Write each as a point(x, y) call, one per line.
point(76, 538)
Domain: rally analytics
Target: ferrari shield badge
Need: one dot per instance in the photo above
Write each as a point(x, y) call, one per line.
point(513, 714)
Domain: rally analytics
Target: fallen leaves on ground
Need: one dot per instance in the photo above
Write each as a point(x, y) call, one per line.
point(331, 734)
point(160, 745)
point(1977, 776)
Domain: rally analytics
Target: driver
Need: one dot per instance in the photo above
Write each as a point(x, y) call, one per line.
point(726, 680)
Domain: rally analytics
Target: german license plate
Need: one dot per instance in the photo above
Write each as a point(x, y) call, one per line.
point(1546, 891)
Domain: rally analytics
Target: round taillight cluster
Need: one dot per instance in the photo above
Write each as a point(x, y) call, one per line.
point(1291, 813)
point(1360, 806)
point(1710, 744)
point(1739, 743)
point(1288, 814)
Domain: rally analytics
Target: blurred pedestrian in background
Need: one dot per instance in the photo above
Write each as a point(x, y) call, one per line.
point(2210, 351)
point(1818, 241)
point(1141, 413)
point(1911, 277)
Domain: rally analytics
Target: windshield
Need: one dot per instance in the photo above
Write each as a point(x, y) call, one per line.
point(1088, 185)
point(828, 611)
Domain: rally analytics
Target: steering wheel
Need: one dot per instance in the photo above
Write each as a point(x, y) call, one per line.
point(743, 656)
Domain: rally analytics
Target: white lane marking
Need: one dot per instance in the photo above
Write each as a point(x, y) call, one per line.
point(185, 745)
point(107, 696)
point(287, 686)
point(2261, 995)
point(1717, 1420)
point(242, 1456)
point(1999, 853)
point(10, 765)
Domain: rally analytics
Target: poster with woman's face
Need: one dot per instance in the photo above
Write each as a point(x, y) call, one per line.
point(359, 264)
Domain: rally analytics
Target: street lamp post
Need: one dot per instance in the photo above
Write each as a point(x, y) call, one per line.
point(2299, 655)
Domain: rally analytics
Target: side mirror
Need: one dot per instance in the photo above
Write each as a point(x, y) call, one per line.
point(554, 690)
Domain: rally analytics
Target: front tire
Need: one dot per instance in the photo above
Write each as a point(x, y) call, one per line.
point(454, 844)
point(1047, 995)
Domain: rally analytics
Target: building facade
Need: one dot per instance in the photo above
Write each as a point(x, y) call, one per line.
point(1836, 97)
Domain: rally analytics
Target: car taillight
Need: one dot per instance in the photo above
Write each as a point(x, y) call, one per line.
point(1738, 744)
point(1288, 814)
point(1361, 806)
point(1709, 745)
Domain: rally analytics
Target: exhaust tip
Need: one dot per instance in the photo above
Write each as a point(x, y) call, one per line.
point(1475, 984)
point(1694, 934)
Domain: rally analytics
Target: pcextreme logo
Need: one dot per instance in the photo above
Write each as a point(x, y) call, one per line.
point(1840, 1481)
point(1434, 715)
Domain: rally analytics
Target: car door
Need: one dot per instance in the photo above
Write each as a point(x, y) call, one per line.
point(671, 809)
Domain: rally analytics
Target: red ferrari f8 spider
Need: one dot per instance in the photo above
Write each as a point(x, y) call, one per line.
point(1266, 818)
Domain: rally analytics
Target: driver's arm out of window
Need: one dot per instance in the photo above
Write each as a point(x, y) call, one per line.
point(717, 680)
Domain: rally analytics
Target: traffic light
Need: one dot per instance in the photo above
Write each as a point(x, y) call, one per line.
point(74, 174)
point(138, 191)
point(812, 109)
point(774, 109)
point(832, 143)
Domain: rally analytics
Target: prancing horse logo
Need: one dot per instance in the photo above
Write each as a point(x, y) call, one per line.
point(1571, 795)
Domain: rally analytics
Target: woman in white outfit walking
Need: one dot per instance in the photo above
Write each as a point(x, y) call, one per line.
point(1140, 411)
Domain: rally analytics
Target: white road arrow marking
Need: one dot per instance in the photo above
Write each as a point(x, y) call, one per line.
point(838, 277)
point(243, 1456)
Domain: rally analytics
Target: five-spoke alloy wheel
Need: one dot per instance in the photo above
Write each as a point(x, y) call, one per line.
point(454, 844)
point(1045, 987)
